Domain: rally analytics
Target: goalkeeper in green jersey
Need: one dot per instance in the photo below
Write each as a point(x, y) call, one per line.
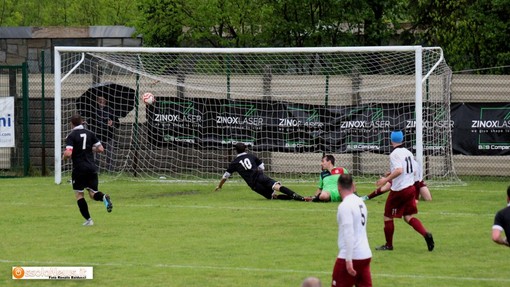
point(328, 183)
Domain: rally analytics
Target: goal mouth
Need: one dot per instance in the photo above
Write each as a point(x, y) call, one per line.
point(290, 106)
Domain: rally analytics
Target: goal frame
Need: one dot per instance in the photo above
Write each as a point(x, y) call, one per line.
point(419, 78)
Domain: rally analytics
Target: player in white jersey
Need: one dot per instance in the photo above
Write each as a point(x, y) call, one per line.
point(352, 266)
point(401, 200)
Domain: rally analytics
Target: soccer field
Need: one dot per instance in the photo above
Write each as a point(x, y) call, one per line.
point(184, 234)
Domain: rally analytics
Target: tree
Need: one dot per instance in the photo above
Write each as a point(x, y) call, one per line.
point(223, 23)
point(67, 12)
point(300, 23)
point(158, 23)
point(333, 23)
point(8, 14)
point(473, 34)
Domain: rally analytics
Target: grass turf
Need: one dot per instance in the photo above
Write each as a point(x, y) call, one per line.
point(184, 234)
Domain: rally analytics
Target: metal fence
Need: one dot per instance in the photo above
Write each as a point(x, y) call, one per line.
point(33, 154)
point(14, 133)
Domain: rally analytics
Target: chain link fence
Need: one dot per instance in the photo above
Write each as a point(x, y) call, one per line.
point(480, 94)
point(482, 125)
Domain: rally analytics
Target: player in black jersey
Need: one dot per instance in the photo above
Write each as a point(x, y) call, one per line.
point(251, 168)
point(80, 147)
point(501, 227)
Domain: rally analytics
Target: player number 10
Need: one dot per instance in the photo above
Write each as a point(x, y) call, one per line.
point(246, 163)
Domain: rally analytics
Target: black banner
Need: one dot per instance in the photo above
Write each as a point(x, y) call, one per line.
point(481, 128)
point(478, 129)
point(366, 127)
point(297, 127)
point(175, 122)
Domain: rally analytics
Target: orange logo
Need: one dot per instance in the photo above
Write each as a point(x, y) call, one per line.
point(18, 272)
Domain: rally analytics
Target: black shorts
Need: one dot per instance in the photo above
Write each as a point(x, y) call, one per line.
point(263, 185)
point(83, 180)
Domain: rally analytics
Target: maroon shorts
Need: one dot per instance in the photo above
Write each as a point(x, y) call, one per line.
point(418, 185)
point(401, 203)
point(341, 278)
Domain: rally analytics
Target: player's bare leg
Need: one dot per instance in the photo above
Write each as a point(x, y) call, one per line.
point(425, 193)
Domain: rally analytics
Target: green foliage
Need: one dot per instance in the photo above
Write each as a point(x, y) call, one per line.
point(473, 34)
point(184, 234)
point(158, 22)
point(67, 12)
point(222, 23)
point(10, 14)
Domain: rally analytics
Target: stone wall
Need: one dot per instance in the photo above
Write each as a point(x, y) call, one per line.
point(20, 44)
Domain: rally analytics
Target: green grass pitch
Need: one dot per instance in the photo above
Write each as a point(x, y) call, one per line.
point(184, 234)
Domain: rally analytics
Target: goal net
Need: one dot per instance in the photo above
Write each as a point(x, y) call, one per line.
point(291, 106)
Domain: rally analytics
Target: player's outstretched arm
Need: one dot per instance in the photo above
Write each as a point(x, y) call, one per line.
point(498, 238)
point(220, 185)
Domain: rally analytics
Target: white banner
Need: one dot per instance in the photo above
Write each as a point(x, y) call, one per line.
point(52, 273)
point(7, 122)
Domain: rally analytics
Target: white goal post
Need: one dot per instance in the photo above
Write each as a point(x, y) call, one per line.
point(290, 105)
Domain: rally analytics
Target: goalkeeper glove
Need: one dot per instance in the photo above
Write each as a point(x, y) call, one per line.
point(365, 197)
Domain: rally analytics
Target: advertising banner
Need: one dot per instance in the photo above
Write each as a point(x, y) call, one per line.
point(175, 122)
point(7, 122)
point(366, 127)
point(477, 129)
point(297, 128)
point(232, 121)
point(481, 128)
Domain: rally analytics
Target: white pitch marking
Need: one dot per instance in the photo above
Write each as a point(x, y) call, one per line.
point(332, 209)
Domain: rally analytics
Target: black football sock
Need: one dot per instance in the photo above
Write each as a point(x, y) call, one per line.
point(291, 193)
point(98, 196)
point(84, 208)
